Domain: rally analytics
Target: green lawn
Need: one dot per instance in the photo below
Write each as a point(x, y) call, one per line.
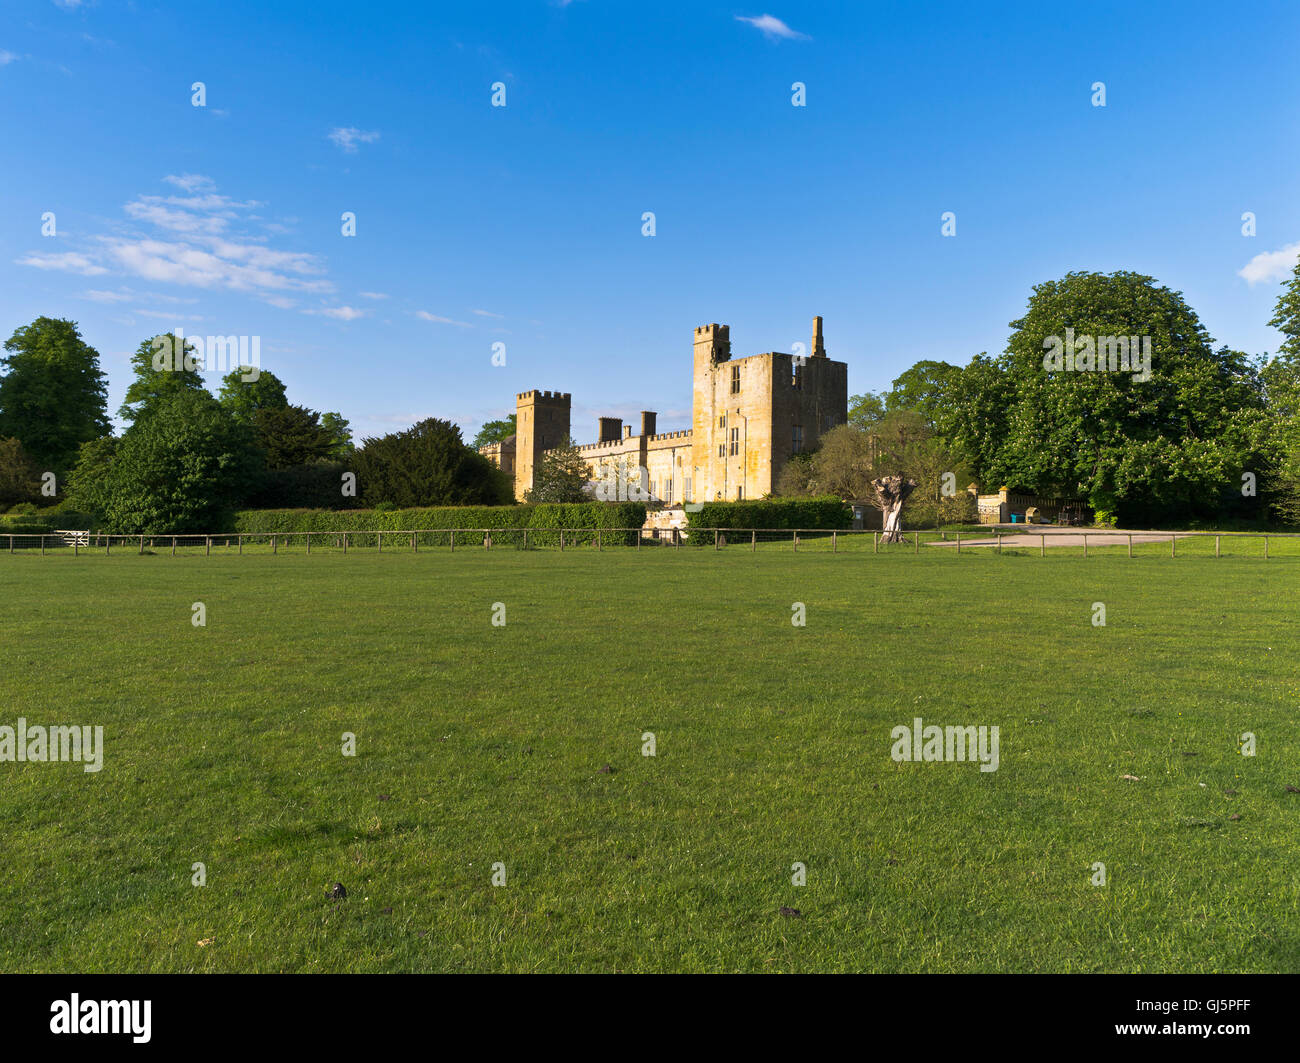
point(478, 744)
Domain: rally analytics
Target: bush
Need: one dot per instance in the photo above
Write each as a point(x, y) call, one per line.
point(825, 512)
point(315, 486)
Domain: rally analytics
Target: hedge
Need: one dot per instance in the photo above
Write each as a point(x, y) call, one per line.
point(827, 512)
point(542, 521)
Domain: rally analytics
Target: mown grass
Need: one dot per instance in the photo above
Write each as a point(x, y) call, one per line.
point(479, 744)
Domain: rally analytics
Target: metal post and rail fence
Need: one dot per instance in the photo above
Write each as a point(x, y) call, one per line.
point(1070, 542)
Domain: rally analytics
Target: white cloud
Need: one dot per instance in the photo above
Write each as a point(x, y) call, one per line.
point(194, 243)
point(339, 313)
point(373, 295)
point(772, 27)
point(8, 57)
point(424, 315)
point(1271, 265)
point(348, 137)
point(67, 261)
point(486, 313)
point(69, 5)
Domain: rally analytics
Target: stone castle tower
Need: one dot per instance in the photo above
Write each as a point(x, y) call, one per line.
point(749, 417)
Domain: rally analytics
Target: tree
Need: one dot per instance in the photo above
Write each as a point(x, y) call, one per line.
point(181, 468)
point(1154, 444)
point(925, 389)
point(494, 432)
point(88, 481)
point(53, 396)
point(162, 365)
point(340, 432)
point(866, 410)
point(560, 476)
point(292, 435)
point(427, 465)
point(20, 478)
point(245, 397)
point(1281, 380)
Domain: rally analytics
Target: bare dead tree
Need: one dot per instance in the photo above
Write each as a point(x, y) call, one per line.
point(893, 492)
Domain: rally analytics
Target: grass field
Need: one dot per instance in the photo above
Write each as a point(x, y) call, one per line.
point(479, 744)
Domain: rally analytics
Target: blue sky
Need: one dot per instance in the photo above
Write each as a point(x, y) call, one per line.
point(522, 224)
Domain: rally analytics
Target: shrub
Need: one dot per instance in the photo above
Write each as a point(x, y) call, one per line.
point(825, 512)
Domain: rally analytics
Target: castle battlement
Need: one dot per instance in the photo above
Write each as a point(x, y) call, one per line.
point(556, 396)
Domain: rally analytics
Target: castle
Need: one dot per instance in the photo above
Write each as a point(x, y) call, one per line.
point(750, 416)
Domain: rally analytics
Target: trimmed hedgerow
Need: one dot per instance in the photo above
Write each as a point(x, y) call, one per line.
point(543, 521)
point(828, 512)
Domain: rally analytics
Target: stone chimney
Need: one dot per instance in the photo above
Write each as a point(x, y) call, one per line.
point(818, 348)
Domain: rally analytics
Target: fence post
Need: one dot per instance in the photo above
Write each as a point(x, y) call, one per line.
point(833, 545)
point(875, 544)
point(75, 541)
point(917, 536)
point(379, 539)
point(42, 546)
point(959, 542)
point(795, 540)
point(173, 546)
point(1042, 545)
point(309, 544)
point(1216, 545)
point(413, 549)
point(1173, 545)
point(108, 543)
point(561, 540)
point(715, 540)
point(453, 540)
point(1265, 547)
point(753, 541)
point(345, 542)
point(638, 538)
point(1085, 544)
point(274, 547)
point(598, 540)
point(1130, 544)
point(998, 533)
point(141, 545)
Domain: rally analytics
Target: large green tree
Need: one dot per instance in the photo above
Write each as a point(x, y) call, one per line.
point(1281, 378)
point(245, 397)
point(427, 465)
point(292, 435)
point(1165, 447)
point(181, 468)
point(162, 365)
point(53, 396)
point(340, 432)
point(926, 388)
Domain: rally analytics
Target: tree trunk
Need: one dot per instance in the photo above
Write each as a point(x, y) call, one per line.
point(893, 491)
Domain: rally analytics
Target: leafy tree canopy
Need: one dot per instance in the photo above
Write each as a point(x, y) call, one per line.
point(427, 465)
point(53, 395)
point(494, 432)
point(560, 476)
point(245, 397)
point(162, 365)
point(181, 468)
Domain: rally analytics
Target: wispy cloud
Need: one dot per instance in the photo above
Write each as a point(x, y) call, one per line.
point(348, 137)
point(193, 240)
point(772, 28)
point(8, 57)
point(424, 315)
point(66, 261)
point(1271, 265)
point(486, 313)
point(339, 313)
point(373, 295)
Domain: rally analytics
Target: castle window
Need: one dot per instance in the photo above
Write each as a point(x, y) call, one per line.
point(686, 490)
point(796, 438)
point(796, 379)
point(722, 421)
point(735, 380)
point(735, 441)
point(740, 493)
point(722, 450)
